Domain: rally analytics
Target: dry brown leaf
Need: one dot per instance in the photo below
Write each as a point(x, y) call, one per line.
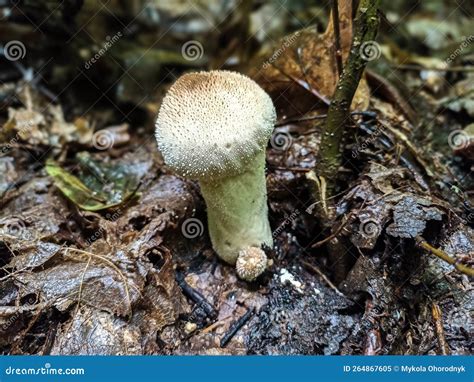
point(303, 69)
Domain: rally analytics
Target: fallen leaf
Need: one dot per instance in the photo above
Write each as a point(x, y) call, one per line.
point(410, 216)
point(96, 198)
point(303, 68)
point(92, 332)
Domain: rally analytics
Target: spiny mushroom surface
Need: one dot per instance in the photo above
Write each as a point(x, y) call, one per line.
point(211, 123)
point(251, 263)
point(214, 127)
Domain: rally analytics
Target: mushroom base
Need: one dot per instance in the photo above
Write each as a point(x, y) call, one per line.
point(237, 211)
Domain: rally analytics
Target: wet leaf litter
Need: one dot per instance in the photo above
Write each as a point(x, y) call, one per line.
point(94, 254)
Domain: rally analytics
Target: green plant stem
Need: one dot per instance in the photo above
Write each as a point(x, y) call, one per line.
point(337, 35)
point(365, 29)
point(444, 256)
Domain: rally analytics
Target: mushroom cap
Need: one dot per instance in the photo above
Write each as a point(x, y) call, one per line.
point(211, 124)
point(251, 263)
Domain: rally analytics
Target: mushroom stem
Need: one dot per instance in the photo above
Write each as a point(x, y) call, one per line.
point(237, 210)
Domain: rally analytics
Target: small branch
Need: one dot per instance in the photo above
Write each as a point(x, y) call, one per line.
point(196, 296)
point(305, 85)
point(234, 328)
point(288, 121)
point(365, 30)
point(315, 269)
point(437, 316)
point(444, 256)
point(304, 118)
point(337, 36)
point(338, 230)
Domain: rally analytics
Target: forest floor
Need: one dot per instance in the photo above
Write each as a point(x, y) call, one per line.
point(103, 250)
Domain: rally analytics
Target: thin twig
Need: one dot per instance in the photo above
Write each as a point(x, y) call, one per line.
point(79, 293)
point(315, 269)
point(294, 169)
point(337, 36)
point(214, 325)
point(437, 316)
point(444, 256)
point(305, 118)
point(235, 327)
point(196, 296)
point(365, 30)
point(336, 232)
point(303, 84)
point(301, 119)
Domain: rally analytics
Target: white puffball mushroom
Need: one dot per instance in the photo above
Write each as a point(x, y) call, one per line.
point(251, 263)
point(214, 127)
